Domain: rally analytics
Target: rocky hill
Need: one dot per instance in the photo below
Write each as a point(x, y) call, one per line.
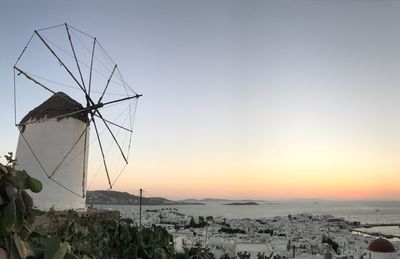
point(124, 198)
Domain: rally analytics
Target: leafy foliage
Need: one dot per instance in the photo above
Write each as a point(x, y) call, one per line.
point(112, 238)
point(195, 253)
point(244, 255)
point(232, 230)
point(192, 224)
point(264, 256)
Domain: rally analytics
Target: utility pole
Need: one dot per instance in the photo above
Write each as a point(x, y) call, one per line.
point(140, 208)
point(205, 240)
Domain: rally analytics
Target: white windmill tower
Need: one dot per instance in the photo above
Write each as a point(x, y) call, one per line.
point(54, 140)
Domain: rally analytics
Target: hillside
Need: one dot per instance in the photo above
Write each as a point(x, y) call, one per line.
point(242, 203)
point(216, 200)
point(124, 198)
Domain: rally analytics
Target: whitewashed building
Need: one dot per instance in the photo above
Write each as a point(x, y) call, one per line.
point(54, 149)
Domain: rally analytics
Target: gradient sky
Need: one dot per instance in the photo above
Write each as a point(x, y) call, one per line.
point(242, 99)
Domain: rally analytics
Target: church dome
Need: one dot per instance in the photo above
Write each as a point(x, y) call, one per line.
point(381, 245)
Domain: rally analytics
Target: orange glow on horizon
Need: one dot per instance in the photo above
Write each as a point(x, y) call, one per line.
point(281, 172)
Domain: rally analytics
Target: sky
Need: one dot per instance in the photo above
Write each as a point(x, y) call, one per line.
point(241, 99)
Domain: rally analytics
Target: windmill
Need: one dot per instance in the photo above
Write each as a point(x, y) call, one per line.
point(81, 91)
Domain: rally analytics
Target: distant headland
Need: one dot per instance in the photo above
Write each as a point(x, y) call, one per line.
point(242, 203)
point(124, 198)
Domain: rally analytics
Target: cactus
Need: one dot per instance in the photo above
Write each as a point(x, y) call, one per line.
point(16, 208)
point(35, 185)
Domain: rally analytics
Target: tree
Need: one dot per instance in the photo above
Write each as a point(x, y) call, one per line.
point(331, 242)
point(195, 253)
point(201, 219)
point(244, 255)
point(192, 223)
point(209, 218)
point(263, 256)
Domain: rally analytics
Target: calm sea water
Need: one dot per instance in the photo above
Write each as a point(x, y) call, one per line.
point(363, 211)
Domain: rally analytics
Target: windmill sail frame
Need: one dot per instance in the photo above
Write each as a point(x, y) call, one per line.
point(92, 110)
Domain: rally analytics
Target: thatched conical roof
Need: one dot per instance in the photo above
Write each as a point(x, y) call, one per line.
point(58, 104)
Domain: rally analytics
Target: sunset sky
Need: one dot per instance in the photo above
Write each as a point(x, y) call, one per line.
point(242, 99)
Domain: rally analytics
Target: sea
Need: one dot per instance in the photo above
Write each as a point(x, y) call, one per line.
point(365, 212)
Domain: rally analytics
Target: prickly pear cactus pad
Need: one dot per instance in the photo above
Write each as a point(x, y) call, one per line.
point(17, 212)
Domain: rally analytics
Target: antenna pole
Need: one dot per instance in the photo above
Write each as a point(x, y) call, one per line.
point(140, 208)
